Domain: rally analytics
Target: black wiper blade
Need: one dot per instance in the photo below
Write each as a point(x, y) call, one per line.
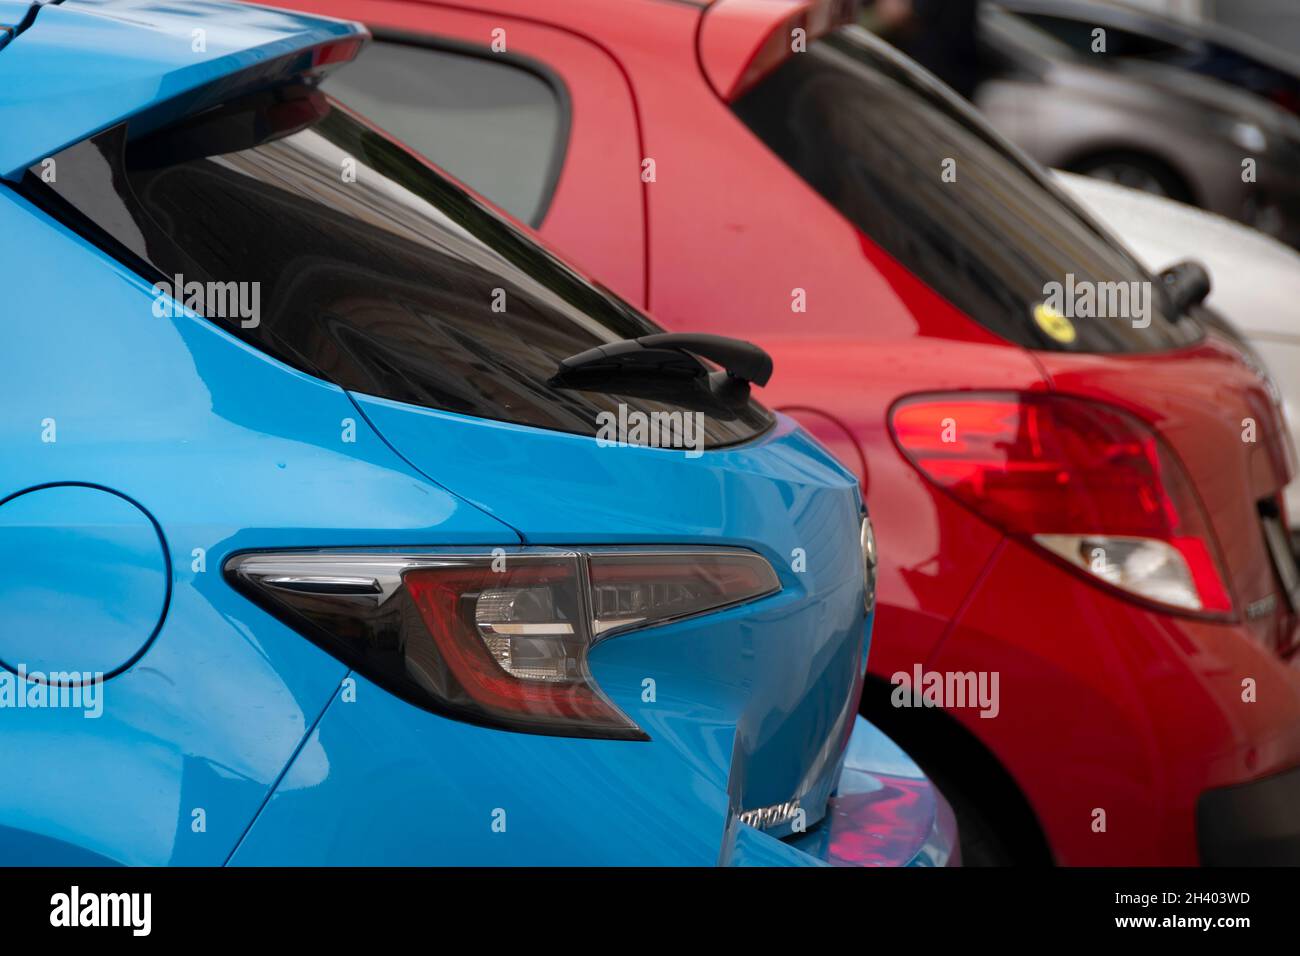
point(1186, 284)
point(668, 362)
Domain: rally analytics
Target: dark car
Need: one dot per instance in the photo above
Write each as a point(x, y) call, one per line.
point(1131, 33)
point(1142, 124)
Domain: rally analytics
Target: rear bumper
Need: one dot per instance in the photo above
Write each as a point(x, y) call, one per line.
point(885, 812)
point(1253, 824)
point(1114, 720)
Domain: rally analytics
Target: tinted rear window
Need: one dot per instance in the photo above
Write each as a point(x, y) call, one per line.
point(497, 126)
point(375, 272)
point(875, 137)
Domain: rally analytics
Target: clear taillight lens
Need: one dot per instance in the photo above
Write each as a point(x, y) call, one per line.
point(1089, 483)
point(501, 638)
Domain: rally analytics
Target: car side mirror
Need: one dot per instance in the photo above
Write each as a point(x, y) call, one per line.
point(1186, 283)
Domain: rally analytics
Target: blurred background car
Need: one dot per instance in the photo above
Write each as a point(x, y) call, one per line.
point(1152, 123)
point(1255, 280)
point(359, 577)
point(1143, 124)
point(1205, 47)
point(1097, 538)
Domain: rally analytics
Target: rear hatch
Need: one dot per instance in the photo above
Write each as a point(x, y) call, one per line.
point(931, 186)
point(1224, 425)
point(347, 258)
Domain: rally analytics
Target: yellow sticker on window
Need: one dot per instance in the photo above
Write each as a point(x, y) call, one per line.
point(1054, 324)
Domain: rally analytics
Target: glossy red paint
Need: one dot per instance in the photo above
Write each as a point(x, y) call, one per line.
point(1105, 704)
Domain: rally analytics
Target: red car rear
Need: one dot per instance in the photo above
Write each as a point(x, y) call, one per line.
point(1087, 623)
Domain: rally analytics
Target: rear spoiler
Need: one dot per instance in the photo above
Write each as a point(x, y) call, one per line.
point(741, 41)
point(82, 66)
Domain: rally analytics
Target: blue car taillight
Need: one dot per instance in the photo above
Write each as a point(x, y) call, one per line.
point(497, 638)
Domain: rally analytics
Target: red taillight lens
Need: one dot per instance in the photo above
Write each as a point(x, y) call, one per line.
point(632, 590)
point(1090, 483)
point(500, 638)
point(338, 51)
point(513, 642)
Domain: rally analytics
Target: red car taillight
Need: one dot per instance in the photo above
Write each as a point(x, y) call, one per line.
point(499, 638)
point(1089, 483)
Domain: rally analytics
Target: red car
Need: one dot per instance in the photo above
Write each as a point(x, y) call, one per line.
point(1087, 627)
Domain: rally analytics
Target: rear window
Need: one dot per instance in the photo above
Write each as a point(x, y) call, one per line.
point(930, 184)
point(372, 271)
point(497, 125)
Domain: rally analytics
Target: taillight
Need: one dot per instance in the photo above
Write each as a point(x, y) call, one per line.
point(496, 638)
point(340, 51)
point(1090, 484)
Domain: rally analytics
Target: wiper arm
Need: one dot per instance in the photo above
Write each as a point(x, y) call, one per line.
point(669, 357)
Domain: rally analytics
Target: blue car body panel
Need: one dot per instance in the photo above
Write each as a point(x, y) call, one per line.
point(349, 795)
point(222, 735)
point(226, 449)
point(115, 544)
point(14, 16)
point(83, 65)
point(780, 496)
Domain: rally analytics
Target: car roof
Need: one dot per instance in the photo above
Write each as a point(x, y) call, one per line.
point(80, 66)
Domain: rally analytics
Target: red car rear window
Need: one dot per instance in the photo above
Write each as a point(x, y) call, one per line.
point(928, 182)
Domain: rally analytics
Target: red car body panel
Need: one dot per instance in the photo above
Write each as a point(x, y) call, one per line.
point(1105, 704)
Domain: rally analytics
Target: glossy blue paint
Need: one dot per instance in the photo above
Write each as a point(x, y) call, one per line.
point(780, 496)
point(229, 738)
point(83, 579)
point(748, 847)
point(230, 450)
point(227, 449)
point(14, 14)
point(84, 65)
point(566, 800)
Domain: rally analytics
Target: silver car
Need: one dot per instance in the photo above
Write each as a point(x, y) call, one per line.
point(1145, 125)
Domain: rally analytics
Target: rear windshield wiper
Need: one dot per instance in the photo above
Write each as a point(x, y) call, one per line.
point(1186, 284)
point(666, 366)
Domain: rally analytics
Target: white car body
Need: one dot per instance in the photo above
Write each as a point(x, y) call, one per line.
point(1255, 279)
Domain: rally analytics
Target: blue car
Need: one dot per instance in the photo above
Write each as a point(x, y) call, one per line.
point(341, 523)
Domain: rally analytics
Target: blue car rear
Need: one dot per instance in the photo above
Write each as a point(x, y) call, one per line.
point(309, 556)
